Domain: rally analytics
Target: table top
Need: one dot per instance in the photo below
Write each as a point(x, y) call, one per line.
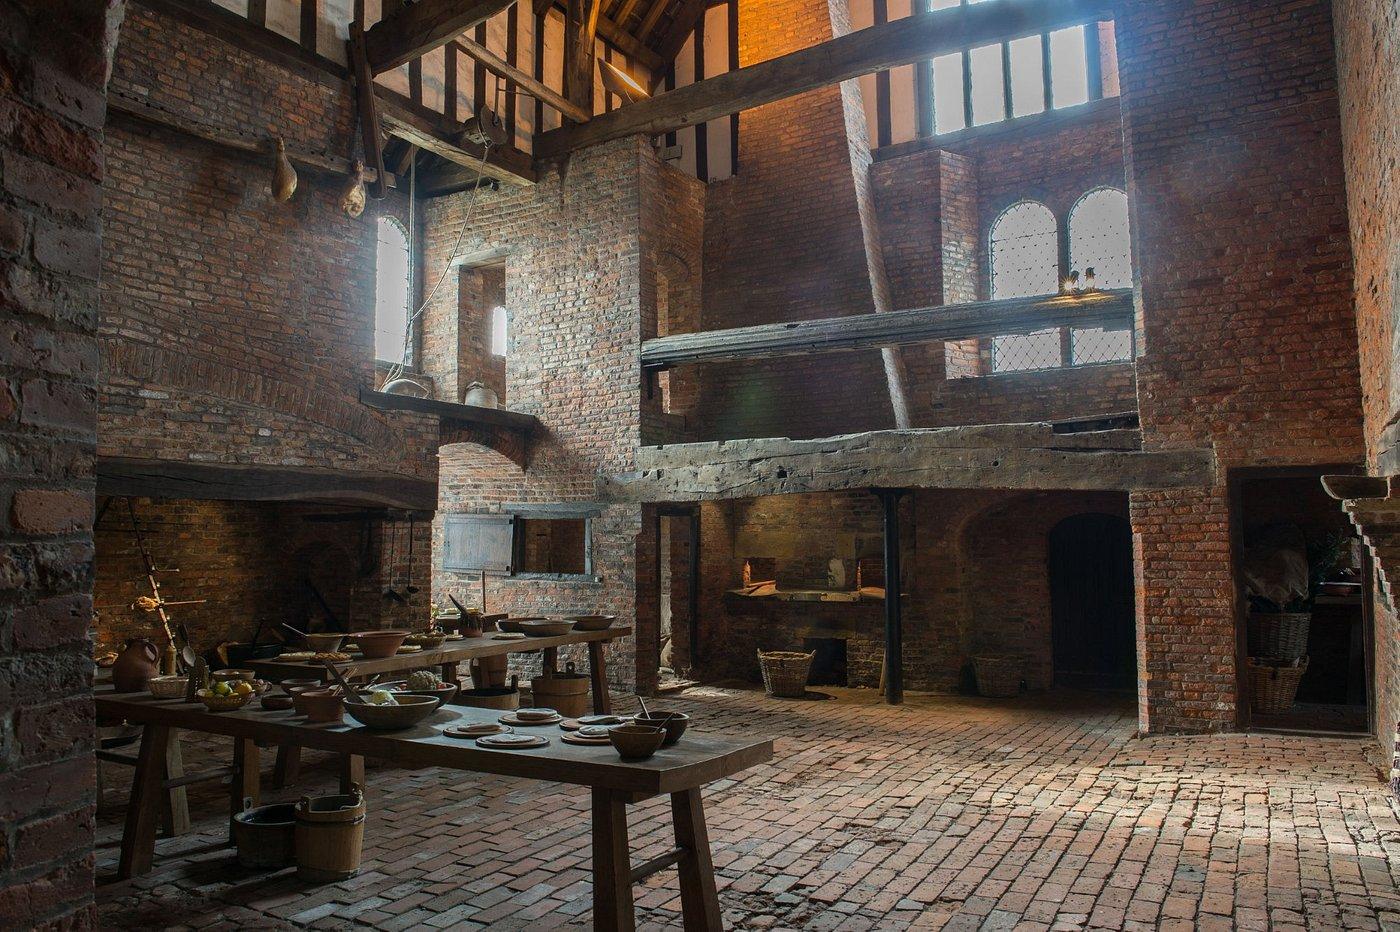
point(695, 760)
point(449, 652)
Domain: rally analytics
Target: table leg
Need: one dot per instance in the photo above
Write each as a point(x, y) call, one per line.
point(551, 660)
point(247, 768)
point(449, 673)
point(598, 669)
point(287, 770)
point(699, 900)
point(612, 867)
point(142, 810)
point(352, 772)
point(176, 804)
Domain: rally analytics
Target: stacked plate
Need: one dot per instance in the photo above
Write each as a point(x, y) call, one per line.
point(511, 741)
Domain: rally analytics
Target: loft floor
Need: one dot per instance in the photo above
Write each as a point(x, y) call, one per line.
point(946, 812)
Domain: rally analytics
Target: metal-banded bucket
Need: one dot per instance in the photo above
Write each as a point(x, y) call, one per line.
point(491, 697)
point(330, 834)
point(565, 692)
point(265, 835)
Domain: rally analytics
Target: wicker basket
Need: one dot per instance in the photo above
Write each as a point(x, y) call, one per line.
point(785, 672)
point(1274, 683)
point(998, 677)
point(1279, 636)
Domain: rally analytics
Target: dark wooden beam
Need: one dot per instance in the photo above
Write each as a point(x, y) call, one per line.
point(580, 30)
point(148, 478)
point(368, 107)
point(1112, 309)
point(894, 597)
point(432, 132)
point(464, 414)
point(541, 91)
point(613, 34)
point(420, 27)
point(901, 42)
point(691, 13)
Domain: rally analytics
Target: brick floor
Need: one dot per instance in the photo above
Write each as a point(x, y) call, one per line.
point(945, 813)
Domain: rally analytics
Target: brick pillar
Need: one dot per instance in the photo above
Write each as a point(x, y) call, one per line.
point(53, 76)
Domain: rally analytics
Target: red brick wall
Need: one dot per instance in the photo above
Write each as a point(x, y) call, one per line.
point(53, 71)
point(236, 328)
point(1241, 232)
point(1368, 65)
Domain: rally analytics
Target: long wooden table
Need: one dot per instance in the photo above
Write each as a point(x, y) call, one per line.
point(678, 771)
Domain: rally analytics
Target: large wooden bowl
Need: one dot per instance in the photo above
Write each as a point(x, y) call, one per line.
point(376, 644)
point(592, 622)
point(409, 712)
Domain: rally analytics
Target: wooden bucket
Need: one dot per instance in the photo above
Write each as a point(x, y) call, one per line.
point(566, 692)
point(489, 672)
point(491, 697)
point(330, 834)
point(265, 835)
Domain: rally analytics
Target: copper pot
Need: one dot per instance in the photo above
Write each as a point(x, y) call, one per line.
point(138, 662)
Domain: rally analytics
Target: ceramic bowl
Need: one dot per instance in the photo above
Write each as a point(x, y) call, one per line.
point(510, 625)
point(276, 702)
point(592, 622)
point(291, 686)
point(409, 712)
point(443, 694)
point(673, 723)
point(168, 687)
point(298, 692)
point(320, 705)
point(324, 642)
point(234, 674)
point(636, 742)
point(546, 628)
point(375, 644)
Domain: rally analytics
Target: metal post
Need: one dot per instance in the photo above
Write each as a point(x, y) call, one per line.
point(894, 626)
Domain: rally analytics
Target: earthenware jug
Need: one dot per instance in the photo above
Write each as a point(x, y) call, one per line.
point(135, 665)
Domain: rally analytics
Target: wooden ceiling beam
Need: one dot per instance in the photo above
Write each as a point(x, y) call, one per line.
point(651, 18)
point(691, 12)
point(497, 65)
point(616, 36)
point(901, 42)
point(432, 132)
point(421, 27)
point(580, 31)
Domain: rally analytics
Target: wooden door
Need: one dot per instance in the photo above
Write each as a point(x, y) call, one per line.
point(1093, 628)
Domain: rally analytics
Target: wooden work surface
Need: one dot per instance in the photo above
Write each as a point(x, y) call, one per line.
point(449, 652)
point(696, 760)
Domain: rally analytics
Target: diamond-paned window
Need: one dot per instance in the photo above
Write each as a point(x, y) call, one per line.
point(1024, 247)
point(1099, 240)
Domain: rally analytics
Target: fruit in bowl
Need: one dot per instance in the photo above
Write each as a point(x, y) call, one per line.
point(225, 696)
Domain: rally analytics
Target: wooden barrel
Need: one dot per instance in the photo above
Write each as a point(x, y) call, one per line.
point(568, 692)
point(330, 833)
point(489, 671)
point(265, 835)
point(491, 697)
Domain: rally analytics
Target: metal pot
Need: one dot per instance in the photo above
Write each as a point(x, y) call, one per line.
point(481, 395)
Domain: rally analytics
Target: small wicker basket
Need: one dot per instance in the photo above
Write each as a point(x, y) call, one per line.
point(1279, 635)
point(999, 676)
point(785, 672)
point(1273, 684)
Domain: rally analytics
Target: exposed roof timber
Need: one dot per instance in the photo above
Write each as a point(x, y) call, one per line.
point(682, 26)
point(877, 48)
point(1111, 309)
point(420, 27)
point(431, 131)
point(1005, 456)
point(616, 36)
point(474, 415)
point(651, 18)
point(497, 65)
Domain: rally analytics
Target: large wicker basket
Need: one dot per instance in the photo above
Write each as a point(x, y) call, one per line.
point(998, 676)
point(785, 672)
point(1279, 635)
point(1273, 684)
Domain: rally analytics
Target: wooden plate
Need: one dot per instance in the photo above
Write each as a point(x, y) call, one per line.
point(297, 656)
point(510, 719)
point(410, 649)
point(509, 636)
point(512, 742)
point(569, 737)
point(477, 730)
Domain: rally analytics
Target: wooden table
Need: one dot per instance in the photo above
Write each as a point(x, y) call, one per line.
point(677, 771)
point(453, 652)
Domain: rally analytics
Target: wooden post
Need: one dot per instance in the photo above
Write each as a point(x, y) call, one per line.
point(139, 835)
point(176, 803)
point(247, 768)
point(894, 623)
point(613, 910)
point(370, 134)
point(598, 671)
point(580, 27)
point(352, 772)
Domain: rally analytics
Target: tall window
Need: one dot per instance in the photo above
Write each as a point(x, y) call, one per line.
point(1099, 239)
point(500, 333)
point(1024, 247)
point(391, 292)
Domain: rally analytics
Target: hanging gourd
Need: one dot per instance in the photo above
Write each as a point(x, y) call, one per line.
point(284, 176)
point(353, 200)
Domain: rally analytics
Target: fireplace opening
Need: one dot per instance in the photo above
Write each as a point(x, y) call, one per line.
point(829, 664)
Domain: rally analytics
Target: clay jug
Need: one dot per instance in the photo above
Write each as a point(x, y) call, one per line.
point(135, 666)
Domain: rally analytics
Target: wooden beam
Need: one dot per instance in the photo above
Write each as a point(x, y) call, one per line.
point(901, 42)
point(690, 13)
point(616, 36)
point(994, 456)
point(651, 18)
point(580, 30)
point(465, 414)
point(1111, 309)
point(370, 133)
point(497, 65)
point(420, 27)
point(251, 145)
point(431, 131)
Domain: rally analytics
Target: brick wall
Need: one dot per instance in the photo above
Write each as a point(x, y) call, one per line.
point(236, 328)
point(1247, 327)
point(1368, 65)
point(53, 70)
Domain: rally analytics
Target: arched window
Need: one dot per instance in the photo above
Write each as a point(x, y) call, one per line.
point(1024, 248)
point(391, 292)
point(1099, 240)
point(500, 331)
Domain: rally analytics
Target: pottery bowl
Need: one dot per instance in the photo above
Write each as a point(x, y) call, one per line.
point(168, 687)
point(297, 692)
point(545, 628)
point(443, 694)
point(592, 622)
point(234, 674)
point(674, 723)
point(409, 712)
point(320, 705)
point(291, 686)
point(276, 702)
point(636, 742)
point(324, 642)
point(510, 625)
point(375, 644)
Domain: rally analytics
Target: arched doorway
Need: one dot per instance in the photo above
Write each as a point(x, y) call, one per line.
point(1093, 629)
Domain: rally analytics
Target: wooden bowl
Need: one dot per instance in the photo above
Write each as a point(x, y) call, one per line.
point(291, 686)
point(443, 694)
point(276, 702)
point(426, 641)
point(376, 644)
point(673, 723)
point(542, 628)
point(636, 742)
point(234, 674)
point(226, 703)
point(592, 622)
point(510, 625)
point(320, 705)
point(168, 687)
point(324, 641)
point(297, 692)
point(409, 712)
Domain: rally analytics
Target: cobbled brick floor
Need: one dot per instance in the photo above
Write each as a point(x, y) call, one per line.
point(946, 813)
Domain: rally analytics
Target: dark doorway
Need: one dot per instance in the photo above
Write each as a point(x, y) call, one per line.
point(1091, 603)
point(829, 664)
